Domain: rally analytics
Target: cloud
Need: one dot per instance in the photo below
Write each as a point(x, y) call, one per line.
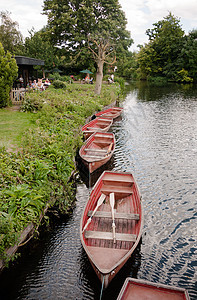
point(143, 13)
point(140, 14)
point(26, 13)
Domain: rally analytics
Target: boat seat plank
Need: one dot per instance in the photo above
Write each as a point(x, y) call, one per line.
point(103, 119)
point(92, 156)
point(107, 214)
point(124, 237)
point(116, 189)
point(116, 177)
point(92, 128)
point(109, 136)
point(95, 150)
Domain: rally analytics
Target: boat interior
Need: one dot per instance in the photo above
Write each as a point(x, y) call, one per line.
point(126, 217)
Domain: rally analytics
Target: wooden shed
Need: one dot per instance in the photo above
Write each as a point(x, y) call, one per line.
point(25, 68)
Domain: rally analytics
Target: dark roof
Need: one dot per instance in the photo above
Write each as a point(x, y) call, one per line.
point(23, 60)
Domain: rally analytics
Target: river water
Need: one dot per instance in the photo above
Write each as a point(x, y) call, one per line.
point(156, 141)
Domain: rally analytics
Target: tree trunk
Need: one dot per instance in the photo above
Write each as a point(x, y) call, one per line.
point(99, 77)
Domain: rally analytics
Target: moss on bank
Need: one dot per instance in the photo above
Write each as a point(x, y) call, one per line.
point(37, 176)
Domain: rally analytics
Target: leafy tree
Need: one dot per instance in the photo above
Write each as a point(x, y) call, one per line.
point(164, 47)
point(39, 46)
point(8, 73)
point(188, 55)
point(10, 36)
point(97, 25)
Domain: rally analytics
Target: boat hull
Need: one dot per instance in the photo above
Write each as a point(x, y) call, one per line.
point(100, 148)
point(106, 250)
point(113, 112)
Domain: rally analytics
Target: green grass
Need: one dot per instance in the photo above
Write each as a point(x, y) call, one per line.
point(12, 127)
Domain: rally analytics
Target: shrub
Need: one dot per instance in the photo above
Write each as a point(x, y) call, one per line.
point(8, 73)
point(58, 84)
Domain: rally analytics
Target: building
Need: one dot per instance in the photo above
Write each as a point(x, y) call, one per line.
point(26, 68)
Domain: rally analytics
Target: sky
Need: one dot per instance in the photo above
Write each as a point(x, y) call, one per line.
point(140, 14)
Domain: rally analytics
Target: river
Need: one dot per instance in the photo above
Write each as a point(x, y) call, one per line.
point(156, 140)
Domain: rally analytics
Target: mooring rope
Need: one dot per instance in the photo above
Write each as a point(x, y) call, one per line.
point(102, 287)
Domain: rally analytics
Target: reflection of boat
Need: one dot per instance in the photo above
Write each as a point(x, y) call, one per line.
point(112, 112)
point(97, 150)
point(133, 289)
point(111, 224)
point(98, 124)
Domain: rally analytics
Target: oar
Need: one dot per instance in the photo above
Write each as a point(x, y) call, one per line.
point(99, 202)
point(112, 202)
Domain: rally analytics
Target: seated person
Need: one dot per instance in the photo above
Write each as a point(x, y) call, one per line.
point(47, 82)
point(40, 84)
point(87, 79)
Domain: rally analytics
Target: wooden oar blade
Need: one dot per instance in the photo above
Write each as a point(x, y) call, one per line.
point(101, 199)
point(112, 200)
point(87, 223)
point(99, 202)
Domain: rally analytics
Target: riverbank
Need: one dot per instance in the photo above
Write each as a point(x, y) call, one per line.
point(37, 176)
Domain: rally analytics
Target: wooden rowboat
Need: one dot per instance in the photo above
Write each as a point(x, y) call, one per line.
point(98, 124)
point(133, 289)
point(97, 150)
point(112, 112)
point(111, 224)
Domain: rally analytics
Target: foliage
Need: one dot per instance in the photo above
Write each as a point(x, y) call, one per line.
point(99, 26)
point(160, 56)
point(39, 46)
point(37, 175)
point(182, 76)
point(8, 73)
point(10, 36)
point(58, 84)
point(188, 55)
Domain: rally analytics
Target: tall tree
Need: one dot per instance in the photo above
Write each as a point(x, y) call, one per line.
point(10, 36)
point(38, 45)
point(165, 44)
point(8, 73)
point(98, 25)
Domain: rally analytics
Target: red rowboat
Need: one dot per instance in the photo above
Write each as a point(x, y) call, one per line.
point(112, 112)
point(97, 150)
point(111, 224)
point(141, 289)
point(98, 124)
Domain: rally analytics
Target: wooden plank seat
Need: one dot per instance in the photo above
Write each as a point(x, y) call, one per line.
point(103, 119)
point(117, 178)
point(101, 136)
point(93, 156)
point(107, 214)
point(116, 189)
point(92, 128)
point(96, 150)
point(124, 237)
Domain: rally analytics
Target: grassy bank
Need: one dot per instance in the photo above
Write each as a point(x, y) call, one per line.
point(12, 124)
point(37, 176)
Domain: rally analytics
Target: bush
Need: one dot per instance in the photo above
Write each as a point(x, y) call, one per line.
point(8, 73)
point(58, 84)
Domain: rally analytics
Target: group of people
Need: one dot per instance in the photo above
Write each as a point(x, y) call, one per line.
point(40, 85)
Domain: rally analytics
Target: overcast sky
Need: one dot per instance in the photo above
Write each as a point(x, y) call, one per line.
point(140, 14)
